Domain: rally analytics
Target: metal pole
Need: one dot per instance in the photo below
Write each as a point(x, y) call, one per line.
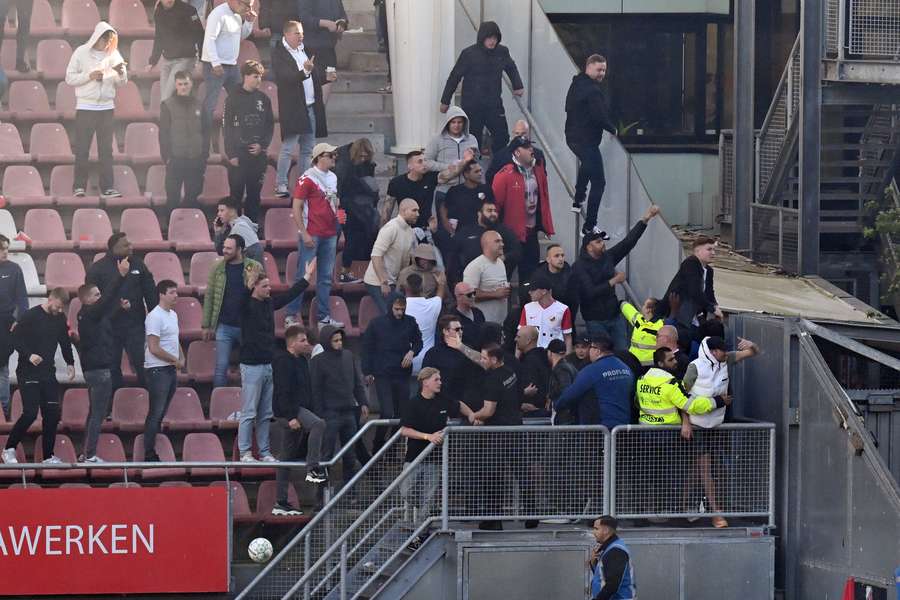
point(344, 571)
point(744, 56)
point(445, 483)
point(307, 547)
point(772, 477)
point(611, 509)
point(810, 134)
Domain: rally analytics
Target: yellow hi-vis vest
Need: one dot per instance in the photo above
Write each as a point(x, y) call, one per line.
point(660, 396)
point(643, 334)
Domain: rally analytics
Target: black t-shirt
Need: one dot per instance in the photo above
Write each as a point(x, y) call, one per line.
point(501, 386)
point(235, 295)
point(463, 203)
point(427, 416)
point(421, 191)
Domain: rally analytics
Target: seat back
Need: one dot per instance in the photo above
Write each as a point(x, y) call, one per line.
point(185, 408)
point(128, 16)
point(201, 264)
point(190, 314)
point(65, 270)
point(280, 227)
point(28, 96)
point(367, 311)
point(130, 407)
point(52, 56)
point(76, 406)
point(91, 224)
point(225, 402)
point(202, 447)
point(49, 138)
point(10, 140)
point(23, 181)
point(201, 359)
point(163, 265)
point(43, 224)
point(240, 505)
point(142, 142)
point(188, 225)
point(141, 225)
point(79, 16)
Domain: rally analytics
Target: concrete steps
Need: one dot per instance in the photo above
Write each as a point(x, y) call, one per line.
point(362, 18)
point(352, 43)
point(360, 102)
point(361, 122)
point(368, 61)
point(359, 81)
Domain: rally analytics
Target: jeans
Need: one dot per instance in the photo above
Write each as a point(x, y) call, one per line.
point(246, 178)
point(87, 123)
point(615, 328)
point(128, 336)
point(590, 170)
point(167, 70)
point(161, 382)
point(231, 78)
point(494, 119)
point(4, 388)
point(23, 26)
point(531, 257)
point(99, 383)
point(43, 394)
point(392, 391)
point(380, 299)
point(227, 337)
point(340, 426)
point(186, 172)
point(289, 144)
point(324, 250)
point(290, 442)
point(256, 392)
point(418, 489)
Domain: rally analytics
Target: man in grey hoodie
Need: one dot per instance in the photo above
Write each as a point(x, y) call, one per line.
point(339, 390)
point(228, 221)
point(448, 148)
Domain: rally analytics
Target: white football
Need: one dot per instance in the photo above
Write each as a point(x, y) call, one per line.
point(260, 550)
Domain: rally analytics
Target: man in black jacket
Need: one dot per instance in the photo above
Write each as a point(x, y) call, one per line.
point(95, 340)
point(481, 67)
point(559, 273)
point(459, 364)
point(693, 288)
point(183, 143)
point(534, 372)
point(587, 117)
point(13, 303)
point(247, 128)
point(139, 294)
point(324, 22)
point(36, 336)
point(300, 102)
point(295, 415)
point(467, 240)
point(274, 14)
point(178, 38)
point(596, 279)
point(257, 348)
point(389, 345)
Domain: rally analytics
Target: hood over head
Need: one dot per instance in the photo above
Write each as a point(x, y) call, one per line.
point(488, 29)
point(452, 113)
point(391, 298)
point(101, 28)
point(325, 335)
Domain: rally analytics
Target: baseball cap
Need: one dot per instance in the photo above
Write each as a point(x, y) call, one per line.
point(519, 142)
point(320, 149)
point(539, 281)
point(556, 347)
point(583, 340)
point(596, 234)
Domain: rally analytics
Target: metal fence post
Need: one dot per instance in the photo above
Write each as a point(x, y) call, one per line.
point(772, 477)
point(344, 571)
point(445, 483)
point(608, 467)
point(611, 478)
point(307, 547)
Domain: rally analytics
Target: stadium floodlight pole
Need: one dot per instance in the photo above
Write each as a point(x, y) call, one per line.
point(744, 134)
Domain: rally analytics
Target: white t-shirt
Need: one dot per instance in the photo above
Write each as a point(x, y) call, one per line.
point(163, 324)
point(553, 322)
point(482, 274)
point(426, 312)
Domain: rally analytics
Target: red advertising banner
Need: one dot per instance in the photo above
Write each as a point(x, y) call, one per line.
point(114, 541)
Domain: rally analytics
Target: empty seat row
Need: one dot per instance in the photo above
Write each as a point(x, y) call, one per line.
point(78, 17)
point(188, 309)
point(30, 101)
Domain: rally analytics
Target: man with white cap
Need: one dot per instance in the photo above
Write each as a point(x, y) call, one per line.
point(317, 213)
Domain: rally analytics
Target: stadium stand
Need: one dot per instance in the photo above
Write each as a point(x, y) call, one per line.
point(23, 188)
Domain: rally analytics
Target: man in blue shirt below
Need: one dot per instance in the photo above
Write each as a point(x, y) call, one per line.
point(611, 380)
point(612, 574)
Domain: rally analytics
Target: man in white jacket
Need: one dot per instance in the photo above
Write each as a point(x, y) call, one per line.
point(95, 70)
point(226, 25)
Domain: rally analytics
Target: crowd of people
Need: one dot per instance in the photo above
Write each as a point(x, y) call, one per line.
point(478, 314)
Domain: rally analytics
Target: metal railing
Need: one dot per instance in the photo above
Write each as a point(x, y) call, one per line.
point(726, 175)
point(862, 29)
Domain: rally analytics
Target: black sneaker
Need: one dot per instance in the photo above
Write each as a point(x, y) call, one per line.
point(23, 67)
point(112, 193)
point(576, 207)
point(531, 524)
point(285, 510)
point(78, 192)
point(151, 457)
point(318, 475)
point(587, 228)
point(347, 278)
point(415, 544)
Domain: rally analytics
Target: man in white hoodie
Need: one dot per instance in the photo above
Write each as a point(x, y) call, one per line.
point(95, 70)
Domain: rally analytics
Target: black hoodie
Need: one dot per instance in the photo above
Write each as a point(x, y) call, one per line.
point(291, 383)
point(460, 377)
point(387, 340)
point(587, 113)
point(258, 324)
point(337, 380)
point(95, 329)
point(248, 120)
point(481, 71)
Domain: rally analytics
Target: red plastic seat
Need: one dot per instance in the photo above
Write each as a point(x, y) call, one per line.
point(155, 98)
point(270, 89)
point(23, 187)
point(45, 228)
point(143, 230)
point(201, 264)
point(91, 228)
point(130, 407)
point(139, 58)
point(267, 196)
point(111, 449)
point(203, 447)
point(125, 181)
point(8, 61)
point(129, 18)
point(189, 231)
point(166, 454)
point(52, 57)
point(201, 361)
point(339, 312)
point(367, 312)
point(76, 405)
point(272, 273)
point(166, 265)
point(28, 101)
point(7, 475)
point(290, 271)
point(15, 411)
point(50, 144)
point(65, 101)
point(224, 403)
point(240, 505)
point(215, 185)
point(43, 23)
point(65, 450)
point(190, 316)
point(248, 51)
point(280, 314)
point(175, 484)
point(13, 152)
point(185, 412)
point(62, 179)
point(79, 17)
point(129, 105)
point(65, 270)
point(142, 144)
point(275, 147)
point(281, 231)
point(265, 500)
point(156, 185)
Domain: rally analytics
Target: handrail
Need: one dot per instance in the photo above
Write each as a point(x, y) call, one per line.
point(781, 85)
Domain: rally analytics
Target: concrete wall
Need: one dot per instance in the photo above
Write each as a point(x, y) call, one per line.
point(720, 7)
point(676, 181)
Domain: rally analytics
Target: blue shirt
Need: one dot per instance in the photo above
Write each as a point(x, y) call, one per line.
point(235, 295)
point(612, 382)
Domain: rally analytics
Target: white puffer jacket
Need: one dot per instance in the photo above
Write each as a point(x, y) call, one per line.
point(85, 60)
point(712, 381)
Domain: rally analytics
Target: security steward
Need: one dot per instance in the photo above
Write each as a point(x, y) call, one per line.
point(660, 395)
point(644, 327)
point(613, 575)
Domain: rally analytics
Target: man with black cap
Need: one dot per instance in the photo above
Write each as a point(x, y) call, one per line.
point(596, 279)
point(612, 572)
point(552, 318)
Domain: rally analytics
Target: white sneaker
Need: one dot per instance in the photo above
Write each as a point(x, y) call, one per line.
point(93, 459)
point(329, 321)
point(268, 458)
point(282, 191)
point(290, 321)
point(9, 456)
point(247, 457)
point(53, 460)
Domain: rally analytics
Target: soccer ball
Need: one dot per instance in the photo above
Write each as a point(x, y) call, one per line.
point(260, 550)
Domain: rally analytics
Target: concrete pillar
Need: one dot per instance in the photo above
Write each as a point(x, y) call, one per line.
point(421, 35)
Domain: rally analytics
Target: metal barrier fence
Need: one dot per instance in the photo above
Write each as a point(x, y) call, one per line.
point(726, 175)
point(726, 471)
point(875, 28)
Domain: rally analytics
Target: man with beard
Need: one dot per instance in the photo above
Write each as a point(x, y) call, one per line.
point(467, 240)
